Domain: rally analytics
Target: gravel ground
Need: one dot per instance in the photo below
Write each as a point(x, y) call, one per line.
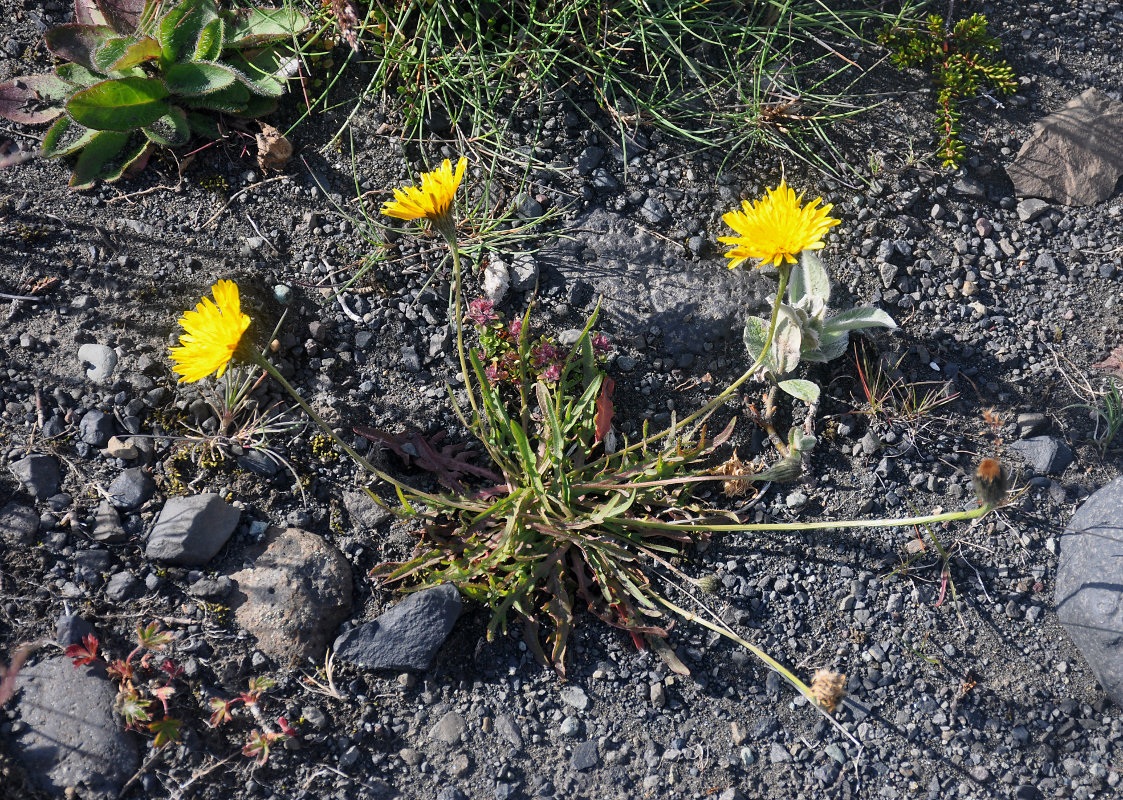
point(958, 686)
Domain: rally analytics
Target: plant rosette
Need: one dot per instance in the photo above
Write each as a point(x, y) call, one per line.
point(139, 74)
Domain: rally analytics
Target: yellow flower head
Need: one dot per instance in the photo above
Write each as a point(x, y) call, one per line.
point(213, 331)
point(433, 200)
point(776, 228)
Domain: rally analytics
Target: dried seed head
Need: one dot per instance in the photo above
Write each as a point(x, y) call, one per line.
point(828, 688)
point(991, 482)
point(735, 466)
point(710, 584)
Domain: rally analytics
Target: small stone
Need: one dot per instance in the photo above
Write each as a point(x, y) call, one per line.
point(95, 428)
point(19, 525)
point(121, 586)
point(191, 530)
point(1047, 455)
point(107, 525)
point(496, 280)
point(657, 694)
point(411, 756)
point(574, 696)
point(449, 728)
point(585, 756)
point(625, 363)
point(1029, 210)
point(364, 513)
point(119, 448)
point(654, 212)
point(282, 294)
point(779, 754)
point(39, 474)
point(72, 629)
point(508, 730)
point(131, 488)
point(570, 727)
point(407, 636)
point(99, 361)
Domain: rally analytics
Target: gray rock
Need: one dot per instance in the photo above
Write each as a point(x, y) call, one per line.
point(407, 636)
point(107, 524)
point(1073, 156)
point(72, 737)
point(1031, 424)
point(411, 361)
point(39, 474)
point(211, 588)
point(574, 696)
point(523, 272)
point(258, 463)
point(90, 566)
point(365, 514)
point(1046, 454)
point(19, 525)
point(1089, 597)
point(969, 187)
point(449, 728)
point(496, 280)
point(191, 530)
point(294, 596)
point(508, 730)
point(99, 361)
point(95, 428)
point(645, 281)
point(72, 629)
point(585, 756)
point(451, 793)
point(121, 586)
point(131, 488)
point(779, 754)
point(654, 212)
point(589, 159)
point(1029, 210)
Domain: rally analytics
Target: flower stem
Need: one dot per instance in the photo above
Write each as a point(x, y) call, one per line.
point(458, 311)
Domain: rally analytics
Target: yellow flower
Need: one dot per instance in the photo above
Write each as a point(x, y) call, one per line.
point(433, 200)
point(213, 331)
point(776, 228)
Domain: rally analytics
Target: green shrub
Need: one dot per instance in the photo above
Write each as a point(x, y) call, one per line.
point(136, 74)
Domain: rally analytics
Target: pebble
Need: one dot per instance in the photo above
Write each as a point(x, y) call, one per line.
point(95, 428)
point(574, 696)
point(131, 488)
point(99, 360)
point(38, 473)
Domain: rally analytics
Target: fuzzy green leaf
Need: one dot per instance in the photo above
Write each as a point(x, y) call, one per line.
point(139, 51)
point(809, 277)
point(33, 99)
point(119, 105)
point(787, 345)
point(64, 138)
point(211, 41)
point(78, 43)
point(102, 148)
point(193, 80)
point(253, 27)
point(76, 73)
point(181, 27)
point(261, 72)
point(833, 344)
point(121, 15)
point(807, 391)
point(257, 106)
point(233, 98)
point(132, 160)
point(171, 130)
point(204, 125)
point(859, 318)
point(756, 334)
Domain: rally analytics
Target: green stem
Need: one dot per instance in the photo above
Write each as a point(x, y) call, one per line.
point(947, 516)
point(458, 310)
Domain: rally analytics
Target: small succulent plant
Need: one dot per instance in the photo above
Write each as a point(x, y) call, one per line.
point(140, 74)
point(803, 330)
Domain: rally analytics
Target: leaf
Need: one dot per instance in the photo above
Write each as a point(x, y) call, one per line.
point(140, 51)
point(1113, 363)
point(101, 149)
point(86, 12)
point(809, 278)
point(786, 347)
point(254, 27)
point(204, 125)
point(78, 43)
point(76, 73)
point(65, 138)
point(262, 71)
point(833, 344)
point(232, 99)
point(756, 334)
point(123, 104)
point(855, 319)
point(181, 27)
point(449, 463)
point(84, 653)
point(664, 650)
point(33, 99)
point(192, 80)
point(171, 130)
point(122, 15)
point(807, 391)
point(211, 41)
point(604, 409)
point(132, 160)
point(166, 730)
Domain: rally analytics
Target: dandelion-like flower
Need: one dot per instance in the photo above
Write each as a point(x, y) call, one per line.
point(433, 199)
point(213, 331)
point(776, 228)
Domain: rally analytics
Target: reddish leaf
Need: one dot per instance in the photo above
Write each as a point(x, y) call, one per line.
point(85, 653)
point(286, 729)
point(32, 99)
point(122, 15)
point(1113, 363)
point(78, 43)
point(604, 408)
point(449, 463)
point(166, 730)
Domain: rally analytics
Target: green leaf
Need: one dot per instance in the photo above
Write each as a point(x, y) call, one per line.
point(786, 347)
point(261, 71)
point(181, 27)
point(76, 73)
point(204, 125)
point(141, 50)
point(858, 318)
point(64, 138)
point(101, 149)
point(756, 334)
point(234, 97)
point(807, 391)
point(254, 27)
point(132, 159)
point(33, 99)
point(171, 130)
point(257, 106)
point(809, 277)
point(833, 344)
point(192, 80)
point(211, 41)
point(119, 105)
point(78, 43)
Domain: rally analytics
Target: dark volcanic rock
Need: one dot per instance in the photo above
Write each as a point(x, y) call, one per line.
point(19, 524)
point(1089, 593)
point(407, 636)
point(191, 530)
point(39, 474)
point(72, 737)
